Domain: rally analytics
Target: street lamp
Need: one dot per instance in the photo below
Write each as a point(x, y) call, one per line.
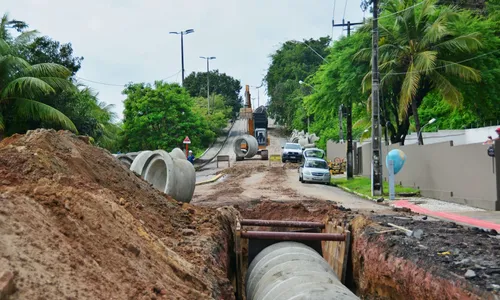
point(419, 135)
point(208, 58)
point(258, 93)
point(182, 33)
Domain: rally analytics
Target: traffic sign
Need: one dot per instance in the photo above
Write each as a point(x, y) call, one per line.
point(187, 140)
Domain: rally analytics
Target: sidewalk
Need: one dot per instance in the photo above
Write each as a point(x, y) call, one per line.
point(462, 214)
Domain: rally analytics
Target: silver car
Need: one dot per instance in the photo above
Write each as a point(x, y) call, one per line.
point(314, 170)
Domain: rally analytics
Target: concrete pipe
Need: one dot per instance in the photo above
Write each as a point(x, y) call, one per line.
point(178, 153)
point(291, 270)
point(139, 164)
point(174, 176)
point(303, 141)
point(252, 146)
point(125, 159)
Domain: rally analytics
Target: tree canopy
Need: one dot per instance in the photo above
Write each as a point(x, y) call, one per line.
point(220, 83)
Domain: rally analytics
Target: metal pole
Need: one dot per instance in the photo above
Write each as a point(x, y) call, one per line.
point(349, 170)
point(208, 85)
point(290, 236)
point(182, 56)
point(279, 223)
point(377, 187)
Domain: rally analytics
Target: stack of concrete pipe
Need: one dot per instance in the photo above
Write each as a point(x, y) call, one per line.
point(252, 146)
point(170, 173)
point(291, 270)
point(306, 140)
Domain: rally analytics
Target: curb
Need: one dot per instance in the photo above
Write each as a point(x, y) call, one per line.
point(217, 177)
point(355, 193)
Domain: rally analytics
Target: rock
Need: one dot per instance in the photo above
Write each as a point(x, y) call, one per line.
point(463, 261)
point(418, 234)
point(7, 285)
point(134, 249)
point(424, 218)
point(423, 247)
point(470, 274)
point(187, 232)
point(380, 200)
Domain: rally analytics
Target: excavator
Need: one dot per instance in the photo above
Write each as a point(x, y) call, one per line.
point(257, 125)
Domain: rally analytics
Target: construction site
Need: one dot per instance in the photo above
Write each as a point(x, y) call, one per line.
point(77, 222)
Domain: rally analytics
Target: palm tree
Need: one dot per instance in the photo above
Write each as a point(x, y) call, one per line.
point(419, 53)
point(22, 83)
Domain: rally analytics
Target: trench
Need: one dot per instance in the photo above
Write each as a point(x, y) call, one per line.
point(372, 269)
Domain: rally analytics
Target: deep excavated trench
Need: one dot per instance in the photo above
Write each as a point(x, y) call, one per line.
point(375, 267)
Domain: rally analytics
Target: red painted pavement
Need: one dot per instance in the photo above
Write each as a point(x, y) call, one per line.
point(448, 216)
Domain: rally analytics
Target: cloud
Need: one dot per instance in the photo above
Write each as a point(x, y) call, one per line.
point(128, 40)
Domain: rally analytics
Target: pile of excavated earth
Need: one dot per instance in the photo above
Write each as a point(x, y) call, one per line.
point(76, 224)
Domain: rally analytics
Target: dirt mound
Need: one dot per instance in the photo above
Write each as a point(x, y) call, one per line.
point(76, 224)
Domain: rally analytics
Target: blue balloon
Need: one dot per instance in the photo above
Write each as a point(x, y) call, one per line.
point(398, 157)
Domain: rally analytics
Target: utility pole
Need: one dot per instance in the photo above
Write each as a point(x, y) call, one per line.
point(208, 58)
point(182, 33)
point(350, 164)
point(377, 187)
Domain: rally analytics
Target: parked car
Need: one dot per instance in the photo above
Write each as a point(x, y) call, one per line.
point(314, 170)
point(312, 152)
point(291, 152)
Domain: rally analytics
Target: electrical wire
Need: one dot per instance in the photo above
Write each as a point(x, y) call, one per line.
point(444, 66)
point(120, 85)
point(399, 11)
point(345, 7)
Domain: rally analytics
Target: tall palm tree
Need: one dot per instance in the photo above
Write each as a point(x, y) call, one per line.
point(419, 52)
point(21, 84)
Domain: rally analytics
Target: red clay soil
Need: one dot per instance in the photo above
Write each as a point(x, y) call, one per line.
point(76, 224)
point(390, 265)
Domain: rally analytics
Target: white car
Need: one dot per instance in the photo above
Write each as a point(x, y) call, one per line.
point(314, 170)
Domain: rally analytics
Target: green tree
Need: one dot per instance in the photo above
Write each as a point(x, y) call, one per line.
point(159, 116)
point(293, 62)
point(21, 84)
point(419, 53)
point(220, 83)
point(44, 49)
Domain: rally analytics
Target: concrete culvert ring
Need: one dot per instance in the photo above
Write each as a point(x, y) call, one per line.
point(125, 159)
point(252, 146)
point(173, 176)
point(138, 166)
point(291, 270)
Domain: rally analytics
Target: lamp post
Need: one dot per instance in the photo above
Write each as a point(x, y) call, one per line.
point(258, 93)
point(182, 33)
point(208, 58)
point(419, 134)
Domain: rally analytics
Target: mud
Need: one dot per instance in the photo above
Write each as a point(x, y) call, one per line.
point(76, 224)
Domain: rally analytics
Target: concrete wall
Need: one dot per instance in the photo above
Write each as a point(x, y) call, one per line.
point(459, 137)
point(462, 174)
point(334, 150)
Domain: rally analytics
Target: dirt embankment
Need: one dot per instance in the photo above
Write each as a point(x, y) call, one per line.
point(447, 261)
point(76, 224)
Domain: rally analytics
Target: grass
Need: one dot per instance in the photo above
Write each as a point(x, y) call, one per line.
point(362, 185)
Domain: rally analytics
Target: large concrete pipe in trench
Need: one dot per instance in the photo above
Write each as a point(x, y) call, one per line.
point(252, 146)
point(291, 270)
point(125, 159)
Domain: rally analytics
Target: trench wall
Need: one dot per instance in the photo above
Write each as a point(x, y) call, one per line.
point(462, 174)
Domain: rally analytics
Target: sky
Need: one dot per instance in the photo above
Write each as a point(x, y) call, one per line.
point(126, 41)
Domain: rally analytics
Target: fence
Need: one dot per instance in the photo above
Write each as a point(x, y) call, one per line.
point(462, 174)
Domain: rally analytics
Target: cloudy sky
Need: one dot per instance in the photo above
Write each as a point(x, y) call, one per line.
point(128, 40)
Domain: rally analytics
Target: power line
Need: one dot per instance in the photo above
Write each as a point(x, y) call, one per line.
point(345, 7)
point(120, 85)
point(399, 11)
point(444, 66)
